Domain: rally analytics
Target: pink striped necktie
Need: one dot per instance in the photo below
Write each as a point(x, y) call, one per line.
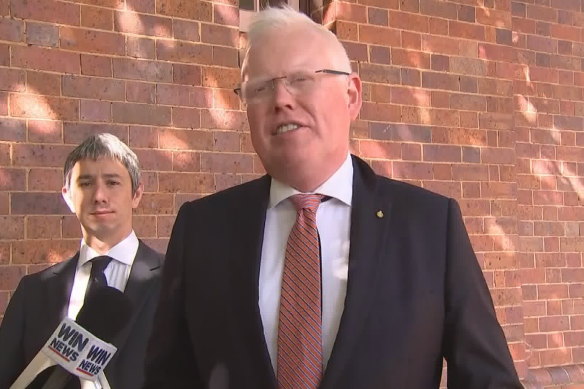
point(300, 328)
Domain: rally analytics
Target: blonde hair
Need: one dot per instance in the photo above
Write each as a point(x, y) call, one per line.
point(284, 17)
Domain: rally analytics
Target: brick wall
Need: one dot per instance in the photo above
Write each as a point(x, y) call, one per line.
point(481, 100)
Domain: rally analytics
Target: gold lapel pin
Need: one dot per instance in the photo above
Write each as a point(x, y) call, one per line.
point(379, 214)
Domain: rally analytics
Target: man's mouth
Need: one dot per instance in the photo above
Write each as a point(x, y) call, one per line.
point(284, 128)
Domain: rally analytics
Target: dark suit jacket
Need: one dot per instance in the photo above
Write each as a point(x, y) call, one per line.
point(415, 294)
point(41, 300)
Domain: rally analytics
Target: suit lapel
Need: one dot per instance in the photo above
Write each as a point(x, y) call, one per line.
point(144, 270)
point(58, 291)
point(244, 279)
point(369, 232)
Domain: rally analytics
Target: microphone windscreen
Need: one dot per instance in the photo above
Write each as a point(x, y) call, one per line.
point(105, 313)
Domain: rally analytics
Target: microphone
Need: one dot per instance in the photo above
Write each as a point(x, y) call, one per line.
point(79, 348)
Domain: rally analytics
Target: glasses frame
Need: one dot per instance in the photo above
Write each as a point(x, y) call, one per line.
point(326, 71)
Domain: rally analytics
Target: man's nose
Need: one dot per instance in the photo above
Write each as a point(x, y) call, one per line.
point(100, 194)
point(281, 94)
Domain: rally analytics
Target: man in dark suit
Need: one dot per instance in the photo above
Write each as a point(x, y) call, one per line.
point(102, 186)
point(397, 286)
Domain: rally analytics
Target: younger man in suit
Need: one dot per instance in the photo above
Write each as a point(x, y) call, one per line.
point(102, 187)
point(320, 274)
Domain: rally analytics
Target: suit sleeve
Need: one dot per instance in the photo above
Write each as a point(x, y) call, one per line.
point(170, 360)
point(12, 356)
point(475, 347)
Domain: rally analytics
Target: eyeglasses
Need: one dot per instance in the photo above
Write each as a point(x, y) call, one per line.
point(298, 83)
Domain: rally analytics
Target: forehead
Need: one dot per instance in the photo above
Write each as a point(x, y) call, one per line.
point(280, 51)
point(99, 167)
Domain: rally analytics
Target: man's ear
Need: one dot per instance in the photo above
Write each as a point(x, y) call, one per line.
point(67, 197)
point(138, 195)
point(355, 96)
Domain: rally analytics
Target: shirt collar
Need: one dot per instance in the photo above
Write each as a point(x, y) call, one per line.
point(120, 252)
point(338, 186)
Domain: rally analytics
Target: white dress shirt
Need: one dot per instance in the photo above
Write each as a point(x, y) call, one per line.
point(333, 220)
point(117, 273)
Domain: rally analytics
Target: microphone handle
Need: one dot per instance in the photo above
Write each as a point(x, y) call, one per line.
point(59, 380)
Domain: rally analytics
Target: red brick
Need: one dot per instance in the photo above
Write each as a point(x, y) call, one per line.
point(133, 23)
point(411, 40)
point(497, 53)
point(75, 133)
point(142, 70)
point(145, 6)
point(186, 74)
point(43, 251)
point(440, 45)
point(31, 106)
point(540, 13)
point(45, 131)
point(4, 55)
point(225, 98)
point(91, 41)
point(12, 179)
point(143, 137)
point(220, 77)
point(225, 56)
point(181, 95)
point(186, 9)
point(377, 16)
point(12, 129)
point(433, 80)
point(52, 11)
point(43, 83)
point(379, 35)
point(144, 226)
point(43, 227)
point(186, 161)
point(5, 154)
point(379, 74)
point(10, 276)
point(226, 15)
point(95, 111)
point(24, 203)
point(186, 182)
point(42, 179)
point(31, 57)
point(93, 65)
point(381, 150)
point(186, 117)
point(186, 30)
point(141, 114)
point(140, 47)
point(115, 4)
point(157, 160)
point(11, 30)
point(93, 87)
point(380, 112)
point(156, 204)
point(4, 11)
point(468, 102)
point(98, 18)
point(164, 225)
point(12, 80)
point(186, 140)
point(346, 31)
point(140, 92)
point(466, 31)
point(179, 51)
point(219, 35)
point(228, 120)
point(228, 141)
point(412, 170)
point(410, 58)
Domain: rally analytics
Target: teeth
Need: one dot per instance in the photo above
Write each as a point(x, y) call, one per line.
point(286, 127)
